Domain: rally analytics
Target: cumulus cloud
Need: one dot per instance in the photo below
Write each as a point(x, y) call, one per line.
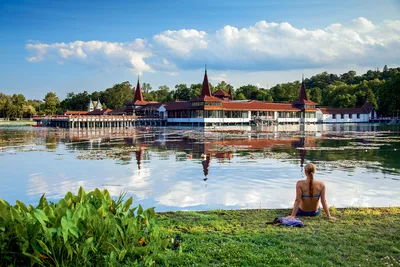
point(275, 46)
point(219, 78)
point(262, 46)
point(182, 42)
point(131, 54)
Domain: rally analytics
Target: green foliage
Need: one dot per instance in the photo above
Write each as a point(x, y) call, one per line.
point(77, 101)
point(117, 96)
point(182, 92)
point(87, 229)
point(389, 96)
point(51, 103)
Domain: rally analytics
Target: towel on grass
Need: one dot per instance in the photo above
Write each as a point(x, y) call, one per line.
point(285, 221)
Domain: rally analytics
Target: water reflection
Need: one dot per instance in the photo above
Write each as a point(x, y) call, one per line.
point(164, 167)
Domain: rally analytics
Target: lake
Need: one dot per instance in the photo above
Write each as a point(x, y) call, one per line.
point(241, 168)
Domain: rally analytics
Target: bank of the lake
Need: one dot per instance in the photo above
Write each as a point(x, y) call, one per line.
point(360, 237)
point(4, 123)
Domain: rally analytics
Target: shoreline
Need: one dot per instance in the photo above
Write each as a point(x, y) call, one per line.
point(16, 123)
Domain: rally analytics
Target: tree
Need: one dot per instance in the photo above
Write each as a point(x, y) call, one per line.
point(117, 96)
point(146, 88)
point(182, 92)
point(51, 103)
point(28, 111)
point(77, 101)
point(389, 96)
point(160, 95)
point(195, 90)
point(249, 91)
point(240, 96)
point(315, 94)
point(364, 89)
point(285, 92)
point(18, 103)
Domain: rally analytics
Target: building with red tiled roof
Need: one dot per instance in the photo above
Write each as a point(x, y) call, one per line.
point(346, 115)
point(220, 109)
point(222, 95)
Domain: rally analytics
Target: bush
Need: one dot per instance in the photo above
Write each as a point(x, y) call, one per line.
point(80, 230)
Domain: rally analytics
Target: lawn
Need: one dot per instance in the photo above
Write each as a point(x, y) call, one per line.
point(360, 237)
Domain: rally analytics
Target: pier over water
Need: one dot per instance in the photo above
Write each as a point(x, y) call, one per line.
point(106, 121)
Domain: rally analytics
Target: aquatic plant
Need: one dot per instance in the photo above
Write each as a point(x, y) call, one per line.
point(87, 229)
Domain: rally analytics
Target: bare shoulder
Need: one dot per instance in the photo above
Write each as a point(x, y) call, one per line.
point(320, 185)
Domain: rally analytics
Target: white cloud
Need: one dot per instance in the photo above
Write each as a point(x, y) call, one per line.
point(219, 78)
point(182, 42)
point(274, 46)
point(130, 54)
point(263, 46)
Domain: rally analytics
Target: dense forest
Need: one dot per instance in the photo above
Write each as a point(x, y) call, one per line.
point(381, 88)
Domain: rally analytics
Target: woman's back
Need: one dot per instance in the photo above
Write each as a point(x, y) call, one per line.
point(308, 194)
point(310, 202)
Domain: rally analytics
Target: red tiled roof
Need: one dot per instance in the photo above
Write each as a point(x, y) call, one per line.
point(219, 92)
point(257, 105)
point(310, 109)
point(74, 112)
point(178, 105)
point(119, 111)
point(99, 112)
point(206, 86)
point(342, 110)
point(140, 102)
point(303, 100)
point(152, 106)
point(138, 93)
point(206, 98)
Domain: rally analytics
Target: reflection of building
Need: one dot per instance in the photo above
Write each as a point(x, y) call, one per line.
point(206, 164)
point(139, 157)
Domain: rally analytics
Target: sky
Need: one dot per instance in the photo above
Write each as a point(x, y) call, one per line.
point(72, 46)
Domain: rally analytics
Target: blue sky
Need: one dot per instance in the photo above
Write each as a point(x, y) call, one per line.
point(71, 46)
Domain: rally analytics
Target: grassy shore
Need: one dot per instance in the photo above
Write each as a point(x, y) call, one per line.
point(360, 237)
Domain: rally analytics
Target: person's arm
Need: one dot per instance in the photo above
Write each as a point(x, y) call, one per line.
point(325, 203)
point(297, 200)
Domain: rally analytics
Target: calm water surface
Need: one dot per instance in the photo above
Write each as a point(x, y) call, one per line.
point(164, 168)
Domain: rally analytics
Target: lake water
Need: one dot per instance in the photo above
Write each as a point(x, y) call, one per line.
point(163, 167)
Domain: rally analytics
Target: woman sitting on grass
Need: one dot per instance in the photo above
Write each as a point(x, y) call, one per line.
point(308, 194)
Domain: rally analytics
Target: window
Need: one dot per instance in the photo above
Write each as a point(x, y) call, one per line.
point(342, 116)
point(213, 104)
point(358, 116)
point(310, 115)
point(333, 116)
point(350, 116)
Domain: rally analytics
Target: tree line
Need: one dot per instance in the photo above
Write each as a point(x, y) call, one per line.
point(381, 88)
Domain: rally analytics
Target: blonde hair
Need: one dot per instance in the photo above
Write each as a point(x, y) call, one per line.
point(310, 170)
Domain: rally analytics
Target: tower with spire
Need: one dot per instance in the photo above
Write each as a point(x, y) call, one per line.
point(205, 91)
point(138, 98)
point(90, 105)
point(302, 101)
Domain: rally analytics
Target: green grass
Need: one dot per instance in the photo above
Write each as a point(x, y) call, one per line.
point(360, 237)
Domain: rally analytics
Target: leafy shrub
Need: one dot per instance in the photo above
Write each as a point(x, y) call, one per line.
point(80, 230)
